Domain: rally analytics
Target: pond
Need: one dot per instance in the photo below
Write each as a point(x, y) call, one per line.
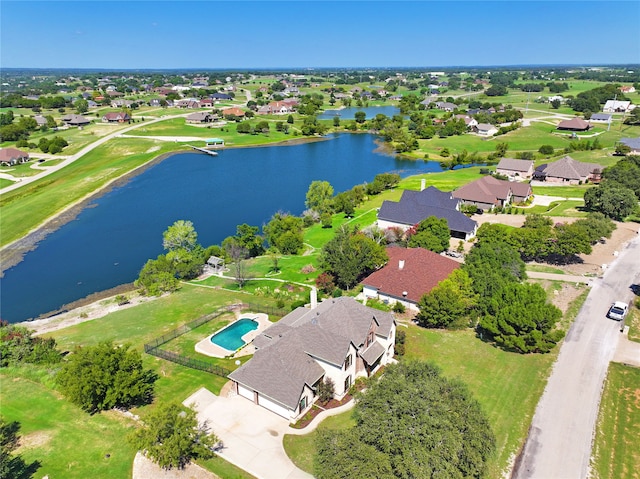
point(109, 242)
point(349, 113)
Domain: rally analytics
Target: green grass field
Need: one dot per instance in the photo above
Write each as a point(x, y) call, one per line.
point(616, 450)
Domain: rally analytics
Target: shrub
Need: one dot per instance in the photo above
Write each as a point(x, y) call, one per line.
point(398, 307)
point(326, 390)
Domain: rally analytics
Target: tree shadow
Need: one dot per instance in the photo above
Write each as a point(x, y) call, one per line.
point(635, 289)
point(19, 469)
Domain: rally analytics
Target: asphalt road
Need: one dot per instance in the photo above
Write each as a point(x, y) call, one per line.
point(560, 438)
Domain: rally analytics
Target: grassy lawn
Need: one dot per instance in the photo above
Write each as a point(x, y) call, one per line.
point(4, 183)
point(572, 192)
point(27, 207)
point(20, 171)
point(301, 449)
point(616, 451)
point(572, 208)
point(541, 268)
point(53, 429)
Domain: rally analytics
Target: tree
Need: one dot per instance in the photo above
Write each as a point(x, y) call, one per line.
point(555, 103)
point(622, 149)
point(336, 121)
point(626, 172)
point(449, 304)
point(320, 197)
point(172, 437)
point(105, 376)
point(413, 422)
point(156, 277)
point(326, 390)
point(350, 255)
point(248, 238)
point(360, 116)
point(546, 150)
point(82, 106)
point(238, 254)
point(180, 235)
point(611, 199)
point(519, 318)
point(18, 346)
point(284, 232)
point(501, 148)
point(431, 233)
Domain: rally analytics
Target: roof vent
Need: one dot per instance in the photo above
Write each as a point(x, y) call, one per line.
point(404, 293)
point(314, 321)
point(401, 264)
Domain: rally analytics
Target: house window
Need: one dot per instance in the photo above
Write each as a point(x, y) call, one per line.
point(347, 383)
point(347, 362)
point(303, 403)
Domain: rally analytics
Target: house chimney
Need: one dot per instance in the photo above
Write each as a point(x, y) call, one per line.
point(401, 264)
point(423, 184)
point(314, 298)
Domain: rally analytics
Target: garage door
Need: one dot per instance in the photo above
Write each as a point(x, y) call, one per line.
point(273, 407)
point(245, 392)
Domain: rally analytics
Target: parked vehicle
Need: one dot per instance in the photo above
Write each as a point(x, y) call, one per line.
point(618, 310)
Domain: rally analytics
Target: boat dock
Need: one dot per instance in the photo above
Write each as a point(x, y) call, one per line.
point(204, 150)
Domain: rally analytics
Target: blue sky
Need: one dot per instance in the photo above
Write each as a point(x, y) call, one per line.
point(268, 34)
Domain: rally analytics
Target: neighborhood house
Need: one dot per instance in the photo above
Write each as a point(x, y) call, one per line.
point(514, 167)
point(338, 339)
point(568, 170)
point(410, 274)
point(12, 156)
point(488, 192)
point(415, 206)
point(633, 143)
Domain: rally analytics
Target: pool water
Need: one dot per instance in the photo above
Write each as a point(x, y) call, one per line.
point(230, 338)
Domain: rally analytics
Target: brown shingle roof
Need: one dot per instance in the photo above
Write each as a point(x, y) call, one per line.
point(487, 189)
point(514, 165)
point(422, 270)
point(570, 169)
point(574, 124)
point(9, 154)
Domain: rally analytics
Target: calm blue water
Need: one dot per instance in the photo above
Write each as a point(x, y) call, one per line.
point(349, 113)
point(231, 338)
point(108, 243)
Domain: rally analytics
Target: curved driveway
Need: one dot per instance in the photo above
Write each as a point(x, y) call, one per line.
point(560, 437)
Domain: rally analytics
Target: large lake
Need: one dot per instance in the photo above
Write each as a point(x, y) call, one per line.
point(110, 241)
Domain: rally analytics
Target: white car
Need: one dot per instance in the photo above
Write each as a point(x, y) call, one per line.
point(618, 310)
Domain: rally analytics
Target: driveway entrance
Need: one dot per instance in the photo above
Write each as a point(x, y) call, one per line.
point(252, 436)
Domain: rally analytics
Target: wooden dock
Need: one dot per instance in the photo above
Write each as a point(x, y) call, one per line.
point(204, 150)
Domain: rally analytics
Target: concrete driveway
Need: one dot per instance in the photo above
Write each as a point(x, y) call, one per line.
point(252, 436)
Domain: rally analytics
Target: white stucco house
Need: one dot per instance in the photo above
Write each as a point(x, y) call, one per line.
point(339, 339)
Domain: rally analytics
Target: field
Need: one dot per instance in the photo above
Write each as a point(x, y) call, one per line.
point(617, 441)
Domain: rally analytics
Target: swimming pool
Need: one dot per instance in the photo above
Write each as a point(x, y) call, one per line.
point(230, 337)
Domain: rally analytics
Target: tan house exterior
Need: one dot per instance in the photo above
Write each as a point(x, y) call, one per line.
point(568, 171)
point(515, 168)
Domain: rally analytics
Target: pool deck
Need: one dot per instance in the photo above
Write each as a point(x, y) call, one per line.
point(207, 347)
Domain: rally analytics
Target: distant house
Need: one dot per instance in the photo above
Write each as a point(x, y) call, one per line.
point(489, 192)
point(206, 102)
point(221, 97)
point(617, 106)
point(575, 124)
point(513, 167)
point(187, 103)
point(75, 120)
point(628, 89)
point(600, 118)
point(40, 120)
point(200, 117)
point(116, 117)
point(276, 108)
point(445, 105)
point(12, 156)
point(633, 143)
point(568, 170)
point(409, 274)
point(233, 112)
point(469, 121)
point(120, 103)
point(415, 206)
point(485, 129)
point(337, 339)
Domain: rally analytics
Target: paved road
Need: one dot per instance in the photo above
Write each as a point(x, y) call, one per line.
point(559, 442)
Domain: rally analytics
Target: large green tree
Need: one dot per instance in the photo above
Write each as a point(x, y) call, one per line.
point(412, 423)
point(18, 345)
point(519, 318)
point(612, 199)
point(172, 437)
point(105, 376)
point(450, 304)
point(284, 232)
point(180, 235)
point(320, 197)
point(431, 233)
point(350, 255)
point(12, 465)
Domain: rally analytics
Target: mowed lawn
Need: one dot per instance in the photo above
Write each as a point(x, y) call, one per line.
point(616, 450)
